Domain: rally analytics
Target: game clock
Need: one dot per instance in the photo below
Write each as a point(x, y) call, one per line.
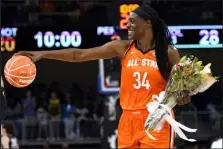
point(64, 39)
point(14, 39)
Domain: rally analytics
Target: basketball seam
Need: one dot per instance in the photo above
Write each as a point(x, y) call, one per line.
point(26, 65)
point(14, 62)
point(22, 77)
point(15, 82)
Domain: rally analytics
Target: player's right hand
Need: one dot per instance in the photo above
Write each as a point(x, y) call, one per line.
point(33, 55)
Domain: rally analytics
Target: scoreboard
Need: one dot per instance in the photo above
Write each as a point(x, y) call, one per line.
point(183, 36)
point(8, 39)
point(191, 36)
point(13, 39)
point(200, 36)
point(38, 38)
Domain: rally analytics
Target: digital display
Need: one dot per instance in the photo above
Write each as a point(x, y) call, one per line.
point(38, 38)
point(124, 11)
point(49, 38)
point(205, 36)
point(183, 37)
point(64, 39)
point(8, 39)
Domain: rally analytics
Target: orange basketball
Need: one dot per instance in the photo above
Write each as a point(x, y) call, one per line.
point(20, 71)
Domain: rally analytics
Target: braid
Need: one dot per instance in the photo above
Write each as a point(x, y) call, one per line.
point(161, 36)
point(163, 40)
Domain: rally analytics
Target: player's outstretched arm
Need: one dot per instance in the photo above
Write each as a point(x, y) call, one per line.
point(108, 50)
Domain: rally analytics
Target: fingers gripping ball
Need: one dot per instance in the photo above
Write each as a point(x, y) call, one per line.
point(20, 71)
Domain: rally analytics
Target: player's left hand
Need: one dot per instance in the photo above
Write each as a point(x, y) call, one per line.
point(184, 99)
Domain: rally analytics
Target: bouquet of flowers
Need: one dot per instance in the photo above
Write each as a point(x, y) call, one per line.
point(189, 77)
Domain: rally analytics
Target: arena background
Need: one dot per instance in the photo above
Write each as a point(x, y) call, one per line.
point(196, 28)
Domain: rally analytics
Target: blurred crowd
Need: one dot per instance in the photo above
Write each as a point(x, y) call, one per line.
point(51, 12)
point(41, 112)
point(51, 112)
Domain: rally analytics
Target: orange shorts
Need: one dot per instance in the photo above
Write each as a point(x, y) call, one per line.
point(131, 132)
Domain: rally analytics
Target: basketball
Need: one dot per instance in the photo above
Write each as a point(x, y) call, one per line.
point(20, 71)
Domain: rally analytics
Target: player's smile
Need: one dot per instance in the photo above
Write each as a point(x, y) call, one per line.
point(130, 34)
point(131, 26)
point(131, 30)
point(134, 26)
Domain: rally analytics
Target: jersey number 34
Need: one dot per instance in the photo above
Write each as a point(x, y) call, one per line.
point(141, 80)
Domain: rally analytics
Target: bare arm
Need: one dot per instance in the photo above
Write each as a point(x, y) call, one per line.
point(108, 50)
point(174, 56)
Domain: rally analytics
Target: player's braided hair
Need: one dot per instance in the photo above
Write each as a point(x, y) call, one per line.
point(161, 36)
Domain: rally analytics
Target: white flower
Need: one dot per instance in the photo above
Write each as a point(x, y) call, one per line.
point(206, 69)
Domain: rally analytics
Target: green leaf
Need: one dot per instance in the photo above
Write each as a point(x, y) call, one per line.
point(195, 60)
point(199, 63)
point(216, 78)
point(183, 59)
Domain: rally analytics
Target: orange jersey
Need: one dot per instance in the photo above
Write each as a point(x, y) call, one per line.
point(140, 78)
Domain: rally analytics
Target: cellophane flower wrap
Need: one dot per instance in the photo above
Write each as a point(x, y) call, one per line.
point(189, 77)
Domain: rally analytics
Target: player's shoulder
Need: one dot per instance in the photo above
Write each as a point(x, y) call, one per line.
point(119, 45)
point(124, 43)
point(172, 50)
point(173, 55)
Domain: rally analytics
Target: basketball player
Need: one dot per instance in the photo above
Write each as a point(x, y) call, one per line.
point(146, 58)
